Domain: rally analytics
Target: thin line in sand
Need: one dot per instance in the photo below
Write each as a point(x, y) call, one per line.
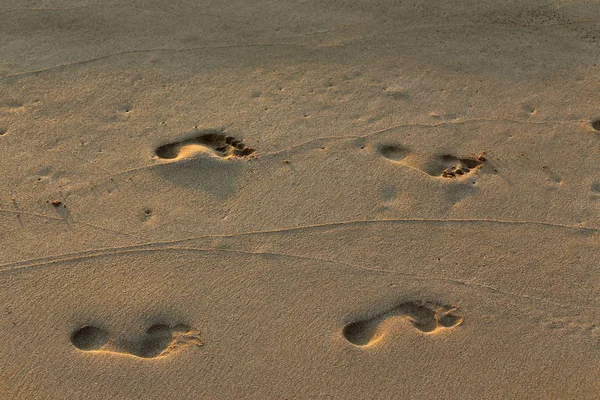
point(469, 284)
point(85, 253)
point(148, 247)
point(52, 218)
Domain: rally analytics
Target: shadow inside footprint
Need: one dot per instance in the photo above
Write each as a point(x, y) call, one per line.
point(450, 320)
point(427, 318)
point(393, 152)
point(160, 339)
point(89, 338)
point(156, 340)
point(423, 318)
point(361, 333)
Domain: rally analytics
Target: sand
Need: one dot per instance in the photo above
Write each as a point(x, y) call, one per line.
point(300, 199)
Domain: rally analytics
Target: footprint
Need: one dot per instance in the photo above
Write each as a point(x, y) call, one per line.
point(159, 340)
point(445, 166)
point(427, 318)
point(211, 142)
point(394, 153)
point(452, 166)
point(89, 338)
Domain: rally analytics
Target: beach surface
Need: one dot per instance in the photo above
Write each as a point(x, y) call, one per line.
point(300, 199)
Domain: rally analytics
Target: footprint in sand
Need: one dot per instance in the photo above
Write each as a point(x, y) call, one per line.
point(445, 166)
point(213, 143)
point(427, 318)
point(158, 341)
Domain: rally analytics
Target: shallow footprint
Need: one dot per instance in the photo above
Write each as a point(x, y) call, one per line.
point(159, 340)
point(212, 142)
point(393, 152)
point(445, 165)
point(427, 318)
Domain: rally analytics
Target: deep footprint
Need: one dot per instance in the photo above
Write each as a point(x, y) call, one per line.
point(427, 318)
point(159, 340)
point(88, 338)
point(445, 166)
point(211, 142)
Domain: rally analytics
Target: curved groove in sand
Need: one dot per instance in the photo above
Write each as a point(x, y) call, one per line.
point(459, 282)
point(93, 252)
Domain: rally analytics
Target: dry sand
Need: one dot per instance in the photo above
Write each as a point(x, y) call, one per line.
point(290, 200)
